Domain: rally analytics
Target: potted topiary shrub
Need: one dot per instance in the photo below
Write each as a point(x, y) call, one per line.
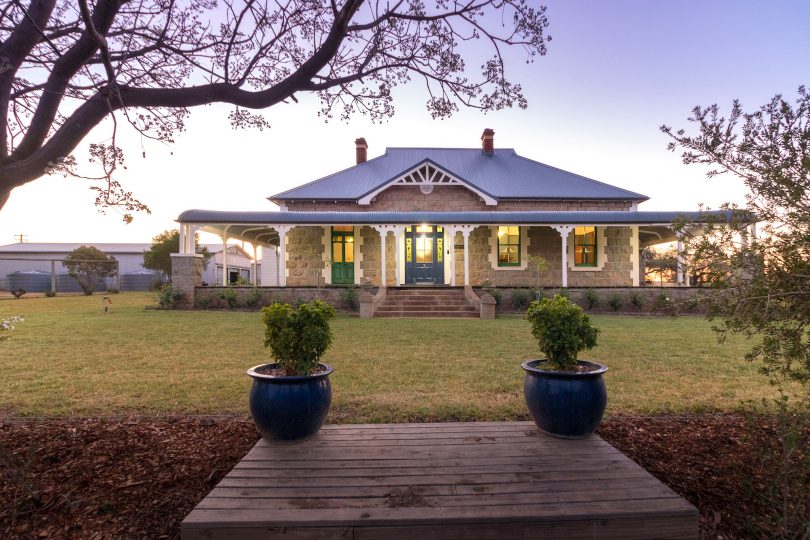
point(290, 398)
point(565, 396)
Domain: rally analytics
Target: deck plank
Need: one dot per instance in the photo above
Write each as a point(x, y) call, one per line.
point(456, 480)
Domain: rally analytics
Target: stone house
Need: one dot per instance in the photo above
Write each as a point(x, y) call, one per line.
point(447, 217)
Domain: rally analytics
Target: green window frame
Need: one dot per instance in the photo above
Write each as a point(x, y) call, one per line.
point(585, 246)
point(508, 245)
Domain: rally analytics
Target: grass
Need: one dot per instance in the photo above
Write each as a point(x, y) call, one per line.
point(68, 358)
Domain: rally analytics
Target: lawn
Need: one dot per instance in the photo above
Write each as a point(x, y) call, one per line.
point(68, 358)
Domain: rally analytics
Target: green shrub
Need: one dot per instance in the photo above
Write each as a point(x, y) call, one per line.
point(562, 329)
point(168, 296)
point(350, 298)
point(592, 297)
point(616, 301)
point(638, 300)
point(50, 294)
point(230, 297)
point(496, 294)
point(692, 303)
point(662, 301)
point(298, 337)
point(253, 297)
point(203, 301)
point(521, 299)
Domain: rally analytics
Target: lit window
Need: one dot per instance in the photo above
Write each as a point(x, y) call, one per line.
point(508, 246)
point(585, 246)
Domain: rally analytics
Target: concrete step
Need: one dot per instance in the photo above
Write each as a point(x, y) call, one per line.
point(435, 314)
point(427, 300)
point(413, 294)
point(384, 308)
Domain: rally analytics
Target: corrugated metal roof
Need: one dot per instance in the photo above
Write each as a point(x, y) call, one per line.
point(503, 175)
point(441, 218)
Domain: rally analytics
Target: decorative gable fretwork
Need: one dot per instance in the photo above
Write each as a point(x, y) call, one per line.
point(426, 176)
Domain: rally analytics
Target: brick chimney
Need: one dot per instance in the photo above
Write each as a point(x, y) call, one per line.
point(488, 141)
point(361, 147)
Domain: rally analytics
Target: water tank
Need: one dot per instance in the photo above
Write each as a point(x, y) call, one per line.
point(140, 280)
point(29, 280)
point(67, 283)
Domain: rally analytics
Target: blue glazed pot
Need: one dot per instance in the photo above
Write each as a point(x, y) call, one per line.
point(565, 404)
point(289, 409)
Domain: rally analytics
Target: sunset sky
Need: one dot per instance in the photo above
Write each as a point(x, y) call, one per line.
point(614, 72)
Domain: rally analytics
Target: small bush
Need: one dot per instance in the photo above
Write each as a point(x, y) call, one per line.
point(592, 297)
point(662, 301)
point(203, 301)
point(230, 297)
point(50, 294)
point(496, 294)
point(562, 329)
point(113, 291)
point(168, 296)
point(298, 337)
point(692, 303)
point(521, 299)
point(253, 297)
point(350, 298)
point(638, 300)
point(616, 301)
point(156, 285)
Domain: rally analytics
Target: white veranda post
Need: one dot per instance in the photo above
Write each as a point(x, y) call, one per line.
point(398, 232)
point(465, 233)
point(451, 246)
point(564, 231)
point(282, 253)
point(383, 230)
point(679, 269)
point(225, 281)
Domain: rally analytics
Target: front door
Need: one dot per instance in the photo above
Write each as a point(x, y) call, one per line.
point(342, 255)
point(424, 255)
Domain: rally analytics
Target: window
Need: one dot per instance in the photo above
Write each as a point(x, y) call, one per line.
point(508, 246)
point(585, 246)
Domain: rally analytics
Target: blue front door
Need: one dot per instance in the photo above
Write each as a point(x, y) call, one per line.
point(424, 255)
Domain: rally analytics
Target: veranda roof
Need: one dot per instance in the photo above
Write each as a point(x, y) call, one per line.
point(256, 226)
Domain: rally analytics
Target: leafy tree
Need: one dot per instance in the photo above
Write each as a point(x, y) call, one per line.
point(761, 283)
point(158, 257)
point(89, 265)
point(68, 65)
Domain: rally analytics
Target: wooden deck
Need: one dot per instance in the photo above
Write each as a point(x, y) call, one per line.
point(496, 480)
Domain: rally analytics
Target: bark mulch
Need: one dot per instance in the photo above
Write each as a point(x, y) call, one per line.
point(139, 477)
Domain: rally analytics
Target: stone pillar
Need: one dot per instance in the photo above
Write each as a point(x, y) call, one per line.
point(186, 275)
point(366, 305)
point(564, 231)
point(488, 305)
point(679, 273)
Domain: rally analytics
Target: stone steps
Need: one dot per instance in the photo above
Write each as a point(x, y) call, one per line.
point(438, 302)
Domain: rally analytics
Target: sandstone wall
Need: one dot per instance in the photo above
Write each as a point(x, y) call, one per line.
point(447, 198)
point(304, 256)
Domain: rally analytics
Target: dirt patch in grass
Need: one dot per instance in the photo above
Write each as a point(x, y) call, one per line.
point(139, 477)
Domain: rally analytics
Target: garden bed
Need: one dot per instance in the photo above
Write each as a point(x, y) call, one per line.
point(137, 477)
